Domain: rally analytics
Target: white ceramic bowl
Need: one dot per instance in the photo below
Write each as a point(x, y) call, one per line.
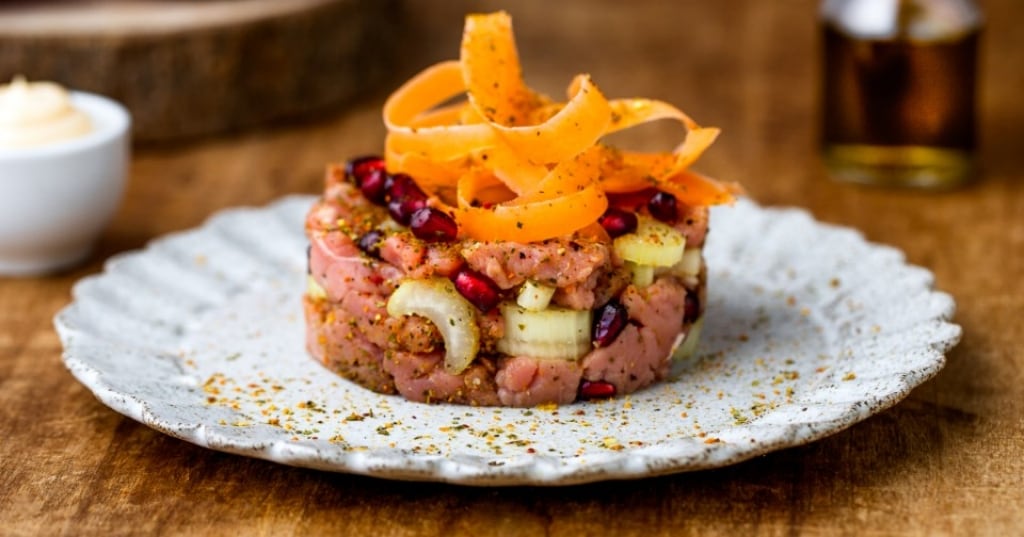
point(57, 198)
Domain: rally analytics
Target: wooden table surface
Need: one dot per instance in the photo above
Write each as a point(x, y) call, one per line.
point(947, 460)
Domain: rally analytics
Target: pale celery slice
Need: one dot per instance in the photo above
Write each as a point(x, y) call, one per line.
point(653, 243)
point(313, 289)
point(689, 344)
point(690, 264)
point(534, 296)
point(643, 275)
point(551, 333)
point(684, 348)
point(455, 318)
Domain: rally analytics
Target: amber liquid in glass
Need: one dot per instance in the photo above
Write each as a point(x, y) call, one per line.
point(899, 112)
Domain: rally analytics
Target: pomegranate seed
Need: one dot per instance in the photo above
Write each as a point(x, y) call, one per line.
point(663, 207)
point(691, 307)
point(358, 168)
point(405, 197)
point(596, 389)
point(618, 222)
point(403, 209)
point(400, 186)
point(609, 321)
point(631, 200)
point(370, 242)
point(373, 186)
point(478, 289)
point(433, 225)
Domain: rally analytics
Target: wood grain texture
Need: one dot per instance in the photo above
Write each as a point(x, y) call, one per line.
point(947, 461)
point(188, 69)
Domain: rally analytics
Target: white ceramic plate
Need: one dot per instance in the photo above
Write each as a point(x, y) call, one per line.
point(809, 330)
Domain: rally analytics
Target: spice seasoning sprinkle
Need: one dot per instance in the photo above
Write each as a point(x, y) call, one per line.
point(717, 392)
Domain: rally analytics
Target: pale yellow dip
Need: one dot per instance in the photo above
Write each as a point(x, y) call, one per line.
point(38, 113)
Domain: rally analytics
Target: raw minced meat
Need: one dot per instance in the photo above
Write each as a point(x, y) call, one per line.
point(349, 329)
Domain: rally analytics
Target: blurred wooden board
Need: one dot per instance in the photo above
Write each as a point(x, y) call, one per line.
point(948, 461)
point(189, 68)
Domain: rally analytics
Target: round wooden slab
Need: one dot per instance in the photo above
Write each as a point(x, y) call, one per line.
point(189, 68)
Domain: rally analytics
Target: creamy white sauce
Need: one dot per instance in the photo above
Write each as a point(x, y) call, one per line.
point(38, 113)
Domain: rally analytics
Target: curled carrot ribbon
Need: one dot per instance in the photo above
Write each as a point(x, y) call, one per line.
point(518, 166)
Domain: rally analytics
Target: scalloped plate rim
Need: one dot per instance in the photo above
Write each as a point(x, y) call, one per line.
point(394, 463)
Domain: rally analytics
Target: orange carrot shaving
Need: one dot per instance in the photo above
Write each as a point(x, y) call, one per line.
point(577, 126)
point(692, 188)
point(518, 166)
point(491, 71)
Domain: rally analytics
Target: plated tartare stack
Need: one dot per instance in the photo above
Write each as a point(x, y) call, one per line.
point(500, 253)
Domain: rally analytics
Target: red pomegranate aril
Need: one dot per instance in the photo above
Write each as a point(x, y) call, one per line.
point(631, 201)
point(358, 168)
point(403, 209)
point(663, 207)
point(373, 186)
point(478, 289)
point(609, 321)
point(404, 197)
point(401, 186)
point(618, 222)
point(691, 307)
point(596, 389)
point(433, 225)
point(370, 242)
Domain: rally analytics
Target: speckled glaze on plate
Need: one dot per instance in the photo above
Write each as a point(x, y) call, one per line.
point(809, 330)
